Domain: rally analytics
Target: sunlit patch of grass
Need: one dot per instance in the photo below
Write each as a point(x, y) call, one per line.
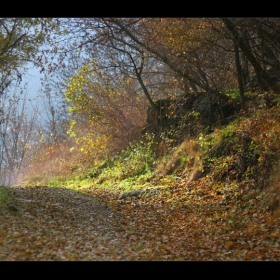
point(78, 184)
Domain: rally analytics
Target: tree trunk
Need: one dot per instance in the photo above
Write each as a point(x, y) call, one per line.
point(239, 75)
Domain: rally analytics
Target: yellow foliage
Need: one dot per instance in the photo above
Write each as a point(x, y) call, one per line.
point(100, 107)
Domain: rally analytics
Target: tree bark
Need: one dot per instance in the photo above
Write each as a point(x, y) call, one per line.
point(239, 76)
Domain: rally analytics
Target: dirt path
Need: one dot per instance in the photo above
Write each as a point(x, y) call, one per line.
point(44, 223)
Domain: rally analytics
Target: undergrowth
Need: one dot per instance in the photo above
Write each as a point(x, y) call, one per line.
point(3, 196)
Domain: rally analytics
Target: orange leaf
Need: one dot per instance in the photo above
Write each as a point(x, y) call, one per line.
point(228, 244)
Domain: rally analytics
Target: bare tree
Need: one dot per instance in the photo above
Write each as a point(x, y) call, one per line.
point(18, 122)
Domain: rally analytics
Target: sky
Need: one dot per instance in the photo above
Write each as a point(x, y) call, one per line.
point(30, 84)
point(32, 78)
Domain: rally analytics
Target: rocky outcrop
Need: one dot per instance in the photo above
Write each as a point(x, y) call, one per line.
point(138, 193)
point(207, 108)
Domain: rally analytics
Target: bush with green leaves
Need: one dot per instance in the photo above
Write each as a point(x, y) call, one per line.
point(137, 159)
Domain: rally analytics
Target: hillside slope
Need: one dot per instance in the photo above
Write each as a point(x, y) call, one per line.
point(213, 197)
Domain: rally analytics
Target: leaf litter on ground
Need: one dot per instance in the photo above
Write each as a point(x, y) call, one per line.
point(184, 222)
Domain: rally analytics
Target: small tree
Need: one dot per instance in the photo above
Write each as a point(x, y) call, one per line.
point(16, 134)
point(106, 114)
